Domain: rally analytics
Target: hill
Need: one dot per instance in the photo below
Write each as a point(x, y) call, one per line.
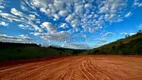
point(131, 45)
point(17, 51)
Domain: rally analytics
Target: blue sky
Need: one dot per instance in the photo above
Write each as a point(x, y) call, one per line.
point(78, 24)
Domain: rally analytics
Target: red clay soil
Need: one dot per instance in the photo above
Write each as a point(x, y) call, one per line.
point(23, 61)
point(92, 67)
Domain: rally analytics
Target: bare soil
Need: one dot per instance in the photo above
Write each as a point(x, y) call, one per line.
point(86, 67)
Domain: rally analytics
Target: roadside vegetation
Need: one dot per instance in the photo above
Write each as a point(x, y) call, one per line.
point(17, 51)
point(130, 45)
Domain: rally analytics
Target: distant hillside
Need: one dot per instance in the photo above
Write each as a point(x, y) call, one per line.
point(16, 51)
point(131, 45)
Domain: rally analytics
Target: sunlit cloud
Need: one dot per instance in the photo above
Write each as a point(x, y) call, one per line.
point(62, 20)
point(2, 23)
point(128, 14)
point(15, 39)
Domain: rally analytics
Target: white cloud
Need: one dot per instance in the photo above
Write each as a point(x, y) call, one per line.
point(25, 26)
point(64, 25)
point(82, 13)
point(75, 23)
point(24, 8)
point(2, 7)
point(10, 17)
point(125, 33)
point(49, 26)
point(140, 26)
point(57, 36)
point(112, 6)
point(32, 17)
point(56, 17)
point(111, 9)
point(137, 3)
point(75, 46)
point(23, 18)
point(107, 34)
point(16, 12)
point(52, 33)
point(44, 10)
point(132, 34)
point(128, 14)
point(59, 5)
point(24, 37)
point(3, 23)
point(35, 26)
point(15, 39)
point(70, 17)
point(63, 13)
point(97, 45)
point(101, 40)
point(104, 9)
point(88, 5)
point(40, 3)
point(79, 10)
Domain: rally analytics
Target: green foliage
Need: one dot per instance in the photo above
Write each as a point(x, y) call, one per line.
point(13, 51)
point(140, 31)
point(131, 45)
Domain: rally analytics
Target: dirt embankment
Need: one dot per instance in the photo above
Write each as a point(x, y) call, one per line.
point(91, 67)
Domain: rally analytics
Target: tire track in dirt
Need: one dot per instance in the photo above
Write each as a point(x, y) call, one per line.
point(84, 70)
point(77, 68)
point(61, 67)
point(80, 67)
point(23, 69)
point(93, 72)
point(97, 73)
point(70, 69)
point(71, 75)
point(65, 68)
point(85, 66)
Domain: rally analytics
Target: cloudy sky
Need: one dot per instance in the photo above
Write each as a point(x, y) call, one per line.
point(79, 24)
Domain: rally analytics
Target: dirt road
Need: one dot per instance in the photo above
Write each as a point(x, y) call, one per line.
point(92, 67)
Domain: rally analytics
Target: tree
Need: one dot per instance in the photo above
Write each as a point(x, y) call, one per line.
point(113, 47)
point(60, 53)
point(140, 31)
point(97, 51)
